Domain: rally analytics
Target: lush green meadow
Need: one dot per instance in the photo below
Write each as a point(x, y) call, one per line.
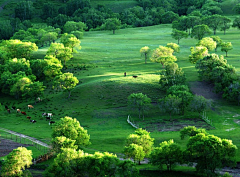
point(99, 102)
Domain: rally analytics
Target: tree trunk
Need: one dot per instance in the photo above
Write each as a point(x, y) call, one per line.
point(139, 162)
point(145, 58)
point(69, 94)
point(139, 113)
point(178, 40)
point(113, 31)
point(226, 54)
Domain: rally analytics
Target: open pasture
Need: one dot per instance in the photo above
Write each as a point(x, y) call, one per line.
point(99, 102)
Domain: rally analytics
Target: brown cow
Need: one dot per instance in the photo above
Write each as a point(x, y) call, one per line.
point(30, 107)
point(24, 113)
point(28, 117)
point(18, 111)
point(8, 110)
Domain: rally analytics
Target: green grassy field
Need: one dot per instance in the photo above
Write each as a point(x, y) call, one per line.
point(100, 101)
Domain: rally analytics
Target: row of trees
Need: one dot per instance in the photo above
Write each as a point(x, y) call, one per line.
point(208, 151)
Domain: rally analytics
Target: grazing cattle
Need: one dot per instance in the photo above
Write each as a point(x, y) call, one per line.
point(33, 121)
point(48, 118)
point(44, 114)
point(39, 99)
point(135, 76)
point(51, 122)
point(13, 107)
point(30, 107)
point(8, 110)
point(18, 111)
point(24, 113)
point(49, 115)
point(28, 117)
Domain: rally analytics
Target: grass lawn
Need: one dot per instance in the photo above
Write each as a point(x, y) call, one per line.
point(100, 101)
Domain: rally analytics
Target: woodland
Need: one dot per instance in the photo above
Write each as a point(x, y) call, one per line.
point(120, 88)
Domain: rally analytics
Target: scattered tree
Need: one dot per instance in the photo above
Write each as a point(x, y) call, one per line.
point(218, 40)
point(70, 128)
point(226, 46)
point(163, 55)
point(207, 42)
point(145, 50)
point(134, 151)
point(168, 153)
point(69, 40)
point(191, 131)
point(199, 31)
point(178, 35)
point(112, 24)
point(66, 82)
point(197, 53)
point(173, 46)
point(139, 101)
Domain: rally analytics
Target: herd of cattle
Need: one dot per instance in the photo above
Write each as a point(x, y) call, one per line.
point(48, 116)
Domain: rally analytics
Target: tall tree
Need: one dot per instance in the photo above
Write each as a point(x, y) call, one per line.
point(34, 90)
point(214, 22)
point(24, 10)
point(199, 31)
point(226, 24)
point(163, 55)
point(139, 101)
point(112, 24)
point(69, 40)
point(145, 51)
point(71, 128)
point(53, 67)
point(178, 35)
point(207, 42)
point(168, 153)
point(66, 82)
point(226, 46)
point(218, 40)
point(173, 46)
point(16, 162)
point(74, 26)
point(197, 53)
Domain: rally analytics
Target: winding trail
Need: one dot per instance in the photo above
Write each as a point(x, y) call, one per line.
point(26, 137)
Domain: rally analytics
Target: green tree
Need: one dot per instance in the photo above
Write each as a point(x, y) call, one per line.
point(145, 51)
point(141, 138)
point(60, 52)
point(163, 55)
point(226, 24)
point(218, 40)
point(226, 46)
point(66, 82)
point(49, 37)
point(207, 42)
point(191, 131)
point(69, 40)
point(170, 104)
point(199, 31)
point(18, 88)
point(236, 22)
point(236, 8)
point(172, 75)
point(74, 26)
point(62, 142)
point(24, 10)
point(173, 46)
point(16, 161)
point(178, 35)
point(140, 102)
point(214, 21)
point(53, 67)
point(232, 92)
point(15, 65)
point(169, 17)
point(70, 128)
point(183, 92)
point(199, 104)
point(134, 151)
point(197, 53)
point(37, 67)
point(112, 24)
point(168, 153)
point(210, 152)
point(33, 90)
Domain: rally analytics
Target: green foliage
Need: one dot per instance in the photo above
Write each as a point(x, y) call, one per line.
point(226, 46)
point(74, 26)
point(174, 46)
point(172, 75)
point(226, 24)
point(145, 50)
point(199, 104)
point(53, 67)
point(214, 21)
point(191, 131)
point(232, 92)
point(62, 142)
point(138, 145)
point(15, 65)
point(236, 8)
point(163, 55)
point(70, 128)
point(33, 90)
point(37, 67)
point(199, 31)
point(69, 40)
point(16, 161)
point(168, 153)
point(197, 53)
point(112, 24)
point(236, 22)
point(178, 35)
point(140, 102)
point(183, 92)
point(169, 17)
point(210, 152)
point(66, 82)
point(170, 104)
point(218, 40)
point(207, 42)
point(24, 10)
point(77, 163)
